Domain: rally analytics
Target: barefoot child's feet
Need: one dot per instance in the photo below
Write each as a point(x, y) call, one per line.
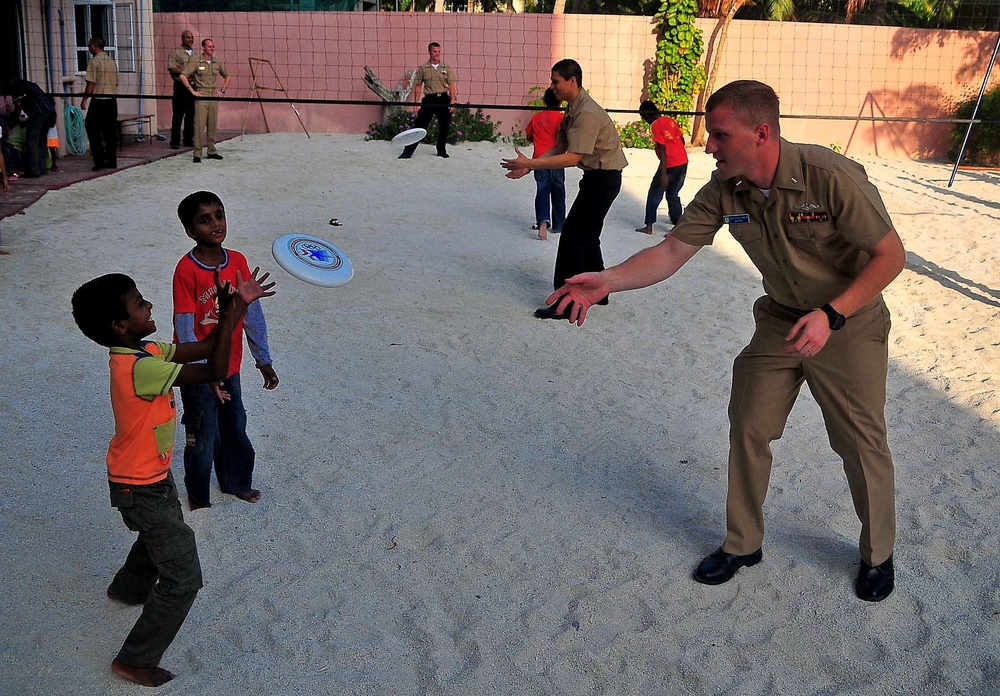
point(251, 496)
point(543, 231)
point(146, 676)
point(648, 229)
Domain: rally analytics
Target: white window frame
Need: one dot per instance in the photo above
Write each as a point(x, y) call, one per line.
point(120, 43)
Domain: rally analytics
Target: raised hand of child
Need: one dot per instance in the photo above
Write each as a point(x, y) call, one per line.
point(225, 293)
point(253, 288)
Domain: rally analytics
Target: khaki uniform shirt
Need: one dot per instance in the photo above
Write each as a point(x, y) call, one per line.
point(102, 71)
point(178, 61)
point(809, 237)
point(436, 81)
point(202, 74)
point(587, 130)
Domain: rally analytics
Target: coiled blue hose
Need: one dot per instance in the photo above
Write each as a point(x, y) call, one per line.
point(76, 141)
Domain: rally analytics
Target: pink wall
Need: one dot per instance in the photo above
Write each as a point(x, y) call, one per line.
point(827, 70)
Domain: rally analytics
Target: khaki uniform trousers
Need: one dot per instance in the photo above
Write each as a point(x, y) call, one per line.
point(206, 118)
point(848, 380)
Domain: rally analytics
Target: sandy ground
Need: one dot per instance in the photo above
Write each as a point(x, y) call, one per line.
point(462, 499)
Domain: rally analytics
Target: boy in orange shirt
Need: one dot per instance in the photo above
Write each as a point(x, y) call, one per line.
point(162, 571)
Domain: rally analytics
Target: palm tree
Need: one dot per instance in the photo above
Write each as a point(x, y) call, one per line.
point(723, 11)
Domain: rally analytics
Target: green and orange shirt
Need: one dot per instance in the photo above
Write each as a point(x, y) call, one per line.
point(142, 400)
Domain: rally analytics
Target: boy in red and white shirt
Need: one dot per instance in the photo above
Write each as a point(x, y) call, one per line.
point(214, 418)
point(668, 141)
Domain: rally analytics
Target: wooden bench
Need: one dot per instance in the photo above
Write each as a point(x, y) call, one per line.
point(143, 124)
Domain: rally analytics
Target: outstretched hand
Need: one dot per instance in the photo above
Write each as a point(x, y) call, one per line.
point(247, 291)
point(516, 166)
point(253, 288)
point(578, 294)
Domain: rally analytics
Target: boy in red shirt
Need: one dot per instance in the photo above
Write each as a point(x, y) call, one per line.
point(214, 418)
point(549, 183)
point(162, 571)
point(668, 142)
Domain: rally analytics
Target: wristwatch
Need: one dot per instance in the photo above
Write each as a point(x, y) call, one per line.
point(837, 320)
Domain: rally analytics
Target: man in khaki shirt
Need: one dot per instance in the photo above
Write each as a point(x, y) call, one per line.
point(201, 78)
point(102, 118)
point(817, 231)
point(587, 139)
point(436, 81)
point(182, 101)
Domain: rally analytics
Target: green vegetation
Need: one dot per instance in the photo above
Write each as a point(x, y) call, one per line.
point(983, 147)
point(466, 125)
point(636, 134)
point(678, 75)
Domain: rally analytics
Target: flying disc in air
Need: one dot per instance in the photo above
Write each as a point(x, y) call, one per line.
point(313, 260)
point(410, 137)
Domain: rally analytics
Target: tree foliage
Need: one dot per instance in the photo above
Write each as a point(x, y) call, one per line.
point(678, 75)
point(977, 15)
point(983, 146)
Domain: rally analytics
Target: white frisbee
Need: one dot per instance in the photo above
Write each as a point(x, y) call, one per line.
point(410, 137)
point(313, 260)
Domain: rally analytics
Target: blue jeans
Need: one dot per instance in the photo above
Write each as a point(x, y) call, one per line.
point(216, 432)
point(550, 183)
point(675, 180)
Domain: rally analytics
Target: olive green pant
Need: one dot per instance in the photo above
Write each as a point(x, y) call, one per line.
point(848, 380)
point(162, 570)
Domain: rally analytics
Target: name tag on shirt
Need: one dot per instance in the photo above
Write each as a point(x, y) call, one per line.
point(736, 219)
point(808, 217)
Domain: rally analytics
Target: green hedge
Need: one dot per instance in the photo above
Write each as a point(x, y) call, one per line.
point(983, 148)
point(466, 125)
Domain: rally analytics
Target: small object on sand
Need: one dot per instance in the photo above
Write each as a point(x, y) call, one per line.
point(335, 222)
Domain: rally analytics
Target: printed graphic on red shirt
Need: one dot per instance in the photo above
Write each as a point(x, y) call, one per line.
point(195, 293)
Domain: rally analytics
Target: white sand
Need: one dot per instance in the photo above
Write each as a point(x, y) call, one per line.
point(462, 499)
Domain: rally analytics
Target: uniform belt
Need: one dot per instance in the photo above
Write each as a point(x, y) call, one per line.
point(435, 94)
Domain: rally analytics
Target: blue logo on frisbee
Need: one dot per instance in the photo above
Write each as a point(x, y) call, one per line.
point(315, 253)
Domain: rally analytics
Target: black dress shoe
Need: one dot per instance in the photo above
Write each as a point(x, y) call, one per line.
point(875, 583)
point(550, 312)
point(175, 146)
point(720, 566)
point(443, 154)
point(196, 159)
point(215, 156)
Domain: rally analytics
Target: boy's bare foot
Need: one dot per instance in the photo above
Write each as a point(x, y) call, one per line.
point(198, 506)
point(146, 676)
point(543, 231)
point(648, 229)
point(251, 496)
